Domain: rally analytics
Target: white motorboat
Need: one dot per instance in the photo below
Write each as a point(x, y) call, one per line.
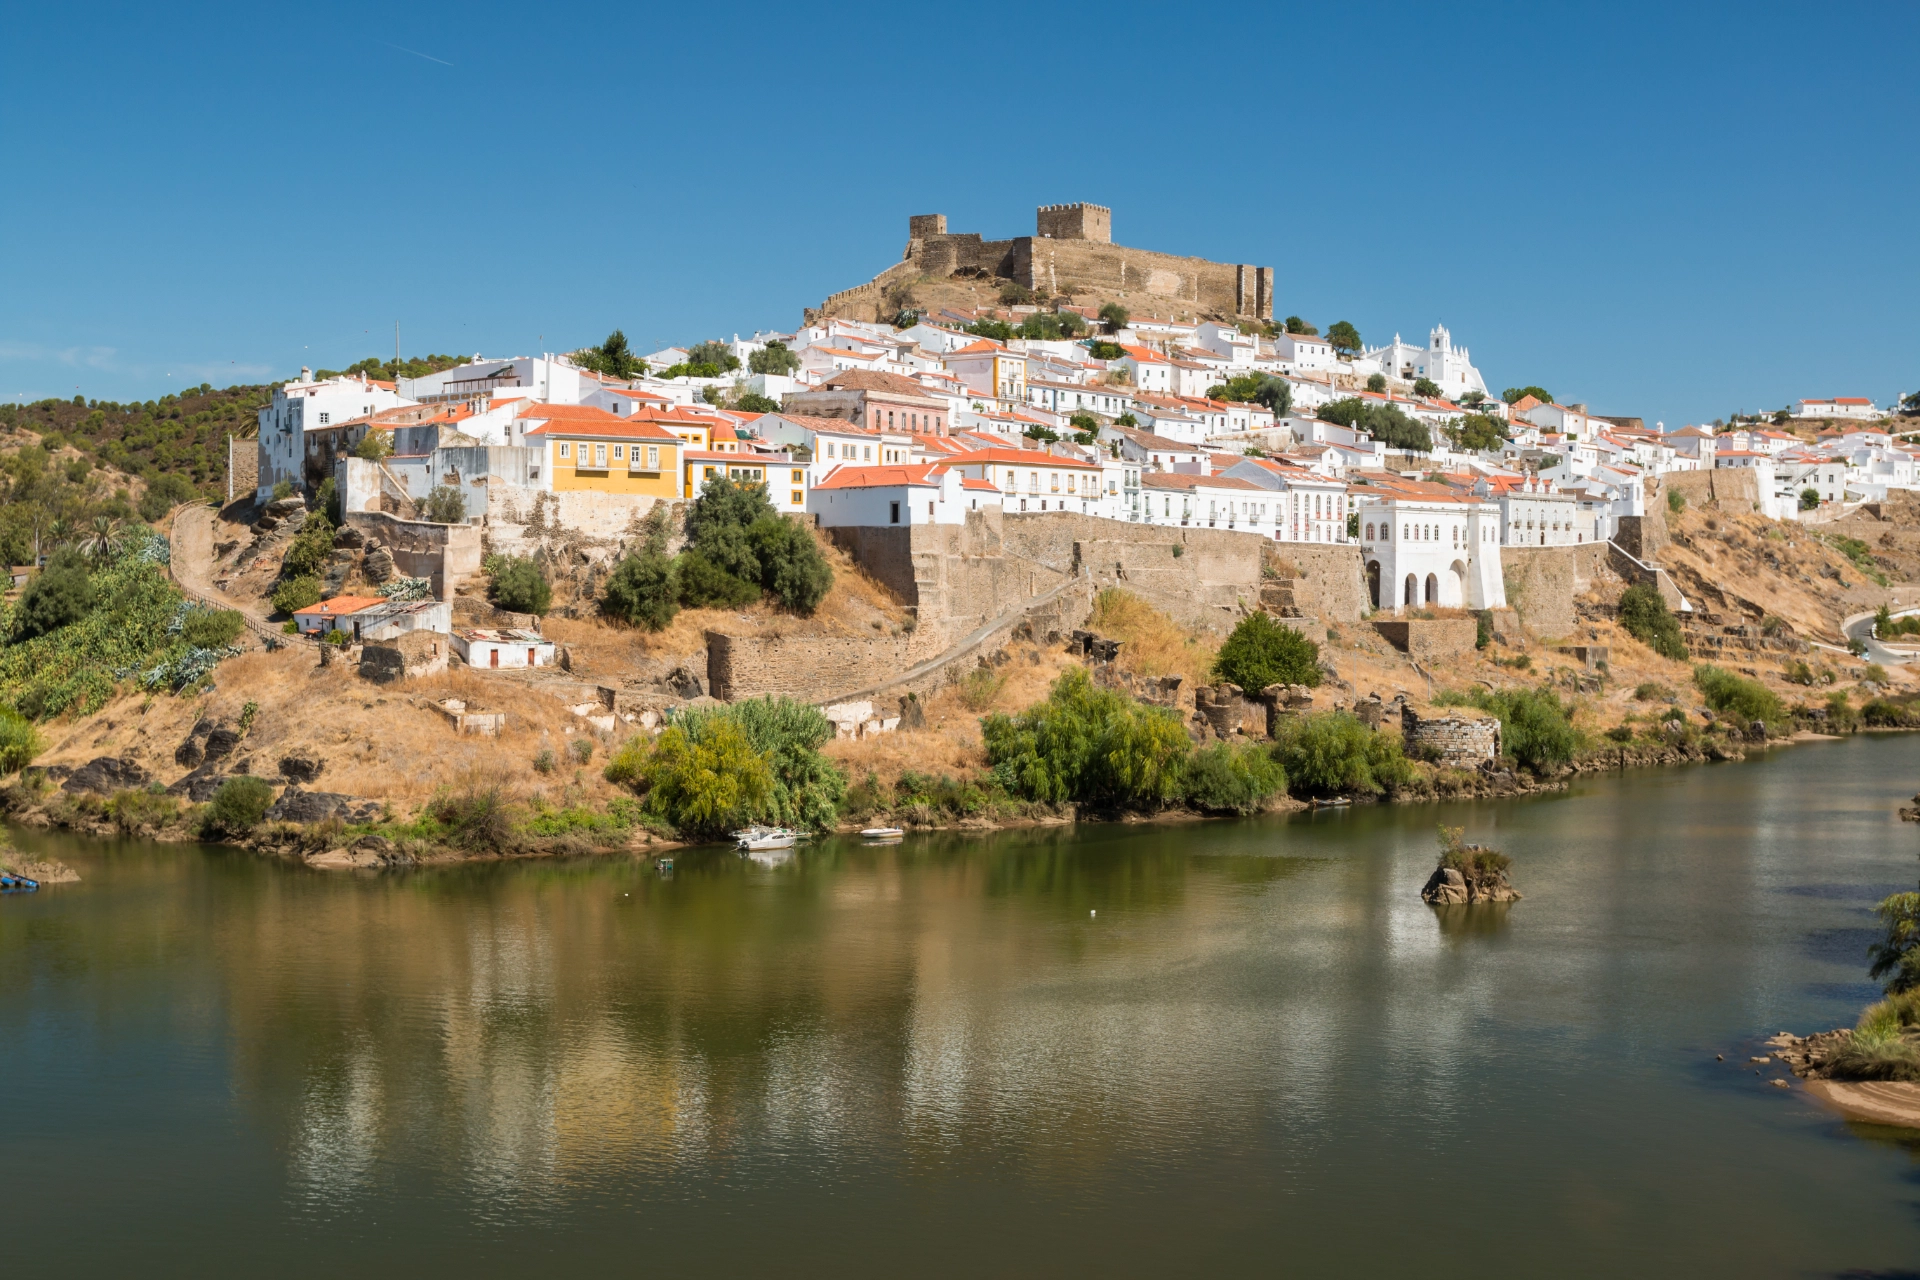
point(882, 833)
point(756, 838)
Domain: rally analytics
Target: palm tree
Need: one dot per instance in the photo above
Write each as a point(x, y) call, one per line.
point(98, 542)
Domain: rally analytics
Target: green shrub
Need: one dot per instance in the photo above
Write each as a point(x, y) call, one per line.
point(337, 638)
point(580, 749)
point(704, 585)
point(1874, 674)
point(792, 570)
point(296, 594)
point(1622, 733)
point(1261, 652)
point(981, 687)
point(1647, 619)
point(1475, 863)
point(444, 505)
point(1884, 713)
point(518, 585)
point(1229, 778)
point(1652, 691)
point(480, 820)
point(310, 549)
point(1809, 499)
point(20, 742)
point(643, 591)
point(1744, 700)
point(1088, 746)
point(282, 489)
point(1676, 501)
point(238, 807)
point(59, 595)
point(1536, 727)
point(374, 446)
point(132, 810)
point(1896, 957)
point(544, 760)
point(212, 628)
point(1333, 753)
point(1860, 554)
point(164, 493)
point(1482, 627)
point(717, 768)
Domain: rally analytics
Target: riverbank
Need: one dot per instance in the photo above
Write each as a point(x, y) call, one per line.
point(545, 830)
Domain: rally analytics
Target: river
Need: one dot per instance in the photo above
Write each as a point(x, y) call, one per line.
point(1219, 1048)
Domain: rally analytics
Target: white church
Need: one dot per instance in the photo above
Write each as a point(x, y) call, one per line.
point(1440, 360)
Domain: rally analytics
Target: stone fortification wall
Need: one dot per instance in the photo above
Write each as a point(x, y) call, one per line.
point(1461, 737)
point(1737, 488)
point(517, 515)
point(1543, 582)
point(243, 468)
point(445, 554)
point(1324, 582)
point(806, 668)
point(1077, 267)
point(1429, 639)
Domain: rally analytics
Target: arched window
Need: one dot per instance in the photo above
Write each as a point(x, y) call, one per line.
point(1370, 539)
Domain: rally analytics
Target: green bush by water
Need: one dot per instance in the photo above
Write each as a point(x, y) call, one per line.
point(1736, 696)
point(1333, 753)
point(1089, 746)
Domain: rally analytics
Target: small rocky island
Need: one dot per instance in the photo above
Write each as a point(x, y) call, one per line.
point(1468, 873)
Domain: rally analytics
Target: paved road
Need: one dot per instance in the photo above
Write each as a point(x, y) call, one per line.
point(1861, 628)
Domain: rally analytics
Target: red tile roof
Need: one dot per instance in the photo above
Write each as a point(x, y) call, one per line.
point(919, 474)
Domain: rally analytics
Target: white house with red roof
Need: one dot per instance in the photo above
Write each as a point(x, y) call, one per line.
point(829, 443)
point(306, 404)
point(1303, 352)
point(921, 493)
point(1536, 512)
point(1045, 480)
point(1210, 502)
point(1311, 507)
point(1559, 419)
point(1855, 407)
point(1146, 368)
point(990, 369)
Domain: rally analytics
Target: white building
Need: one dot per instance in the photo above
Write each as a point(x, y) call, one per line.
point(1430, 549)
point(1041, 480)
point(306, 405)
point(1856, 407)
point(1538, 513)
point(990, 369)
point(1302, 352)
point(894, 497)
point(546, 378)
point(1211, 502)
point(1147, 369)
point(504, 649)
point(1446, 365)
point(1311, 507)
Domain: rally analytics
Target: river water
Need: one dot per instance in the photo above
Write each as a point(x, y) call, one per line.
point(1220, 1048)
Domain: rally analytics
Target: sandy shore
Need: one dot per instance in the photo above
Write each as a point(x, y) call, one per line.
point(1890, 1102)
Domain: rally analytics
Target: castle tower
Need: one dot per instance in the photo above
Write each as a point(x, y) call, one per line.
point(923, 226)
point(1074, 222)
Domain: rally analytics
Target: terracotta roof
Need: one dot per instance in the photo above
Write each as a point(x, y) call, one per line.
point(970, 483)
point(1001, 456)
point(832, 426)
point(985, 346)
point(918, 474)
point(1144, 355)
point(875, 380)
point(1182, 480)
point(581, 420)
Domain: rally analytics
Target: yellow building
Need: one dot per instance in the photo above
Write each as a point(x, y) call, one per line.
point(785, 480)
point(589, 448)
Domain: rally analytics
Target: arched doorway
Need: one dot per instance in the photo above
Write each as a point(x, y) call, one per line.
point(1373, 582)
point(1456, 593)
point(1433, 589)
point(1413, 590)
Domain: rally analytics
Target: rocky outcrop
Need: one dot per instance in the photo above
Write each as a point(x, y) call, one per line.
point(106, 775)
point(299, 805)
point(1447, 885)
point(301, 767)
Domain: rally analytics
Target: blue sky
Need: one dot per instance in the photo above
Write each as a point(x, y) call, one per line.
point(1674, 211)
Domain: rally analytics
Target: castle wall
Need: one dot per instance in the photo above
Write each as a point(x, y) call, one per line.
point(1079, 266)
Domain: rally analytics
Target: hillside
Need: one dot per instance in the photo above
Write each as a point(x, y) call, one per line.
point(177, 444)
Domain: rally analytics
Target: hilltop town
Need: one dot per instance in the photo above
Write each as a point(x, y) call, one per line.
point(996, 461)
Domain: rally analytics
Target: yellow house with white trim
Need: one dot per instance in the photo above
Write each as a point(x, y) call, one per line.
point(592, 449)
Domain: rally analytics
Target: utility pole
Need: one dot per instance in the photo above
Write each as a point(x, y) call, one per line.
point(396, 348)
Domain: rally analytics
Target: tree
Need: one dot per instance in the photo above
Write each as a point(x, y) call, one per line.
point(1334, 753)
point(704, 778)
point(1296, 325)
point(445, 505)
point(619, 359)
point(1809, 499)
point(792, 570)
point(1647, 619)
point(1044, 434)
point(1472, 399)
point(1896, 957)
point(1476, 432)
point(1377, 383)
point(1072, 323)
point(1086, 427)
point(19, 741)
point(1262, 651)
point(723, 505)
point(518, 585)
point(1514, 395)
point(1909, 403)
point(238, 806)
point(1426, 388)
point(1088, 746)
point(295, 594)
point(705, 585)
point(1126, 420)
point(310, 549)
point(774, 358)
point(1230, 778)
point(1114, 316)
point(905, 318)
point(1256, 388)
point(1381, 421)
point(374, 446)
point(1344, 338)
point(1536, 728)
point(712, 355)
point(1105, 350)
point(58, 595)
point(164, 493)
point(754, 402)
point(643, 591)
point(997, 330)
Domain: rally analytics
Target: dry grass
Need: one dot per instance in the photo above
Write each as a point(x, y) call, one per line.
point(1151, 643)
point(379, 742)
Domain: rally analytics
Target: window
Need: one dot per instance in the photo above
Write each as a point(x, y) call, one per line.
point(619, 452)
point(799, 476)
point(829, 448)
point(893, 513)
point(929, 511)
point(866, 453)
point(653, 457)
point(565, 448)
point(323, 419)
point(799, 497)
point(599, 455)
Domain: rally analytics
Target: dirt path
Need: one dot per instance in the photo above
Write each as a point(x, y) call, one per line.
point(191, 540)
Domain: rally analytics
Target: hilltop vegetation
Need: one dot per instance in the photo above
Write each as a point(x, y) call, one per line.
point(177, 443)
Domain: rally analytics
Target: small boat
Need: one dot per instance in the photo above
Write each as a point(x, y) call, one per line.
point(882, 833)
point(1337, 802)
point(663, 865)
point(768, 857)
point(11, 883)
point(764, 838)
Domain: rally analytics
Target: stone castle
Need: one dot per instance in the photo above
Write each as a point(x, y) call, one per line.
point(1070, 254)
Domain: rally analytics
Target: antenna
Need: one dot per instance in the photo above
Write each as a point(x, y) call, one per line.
point(396, 348)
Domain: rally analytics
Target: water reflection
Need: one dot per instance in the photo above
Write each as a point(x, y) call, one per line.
point(1259, 1019)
